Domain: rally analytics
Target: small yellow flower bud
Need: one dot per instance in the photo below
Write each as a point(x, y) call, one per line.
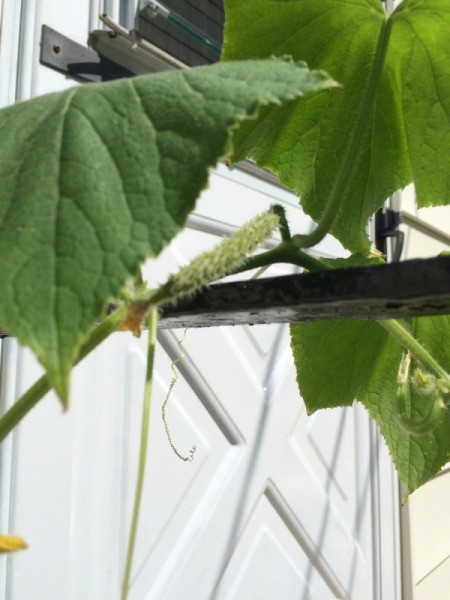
point(11, 543)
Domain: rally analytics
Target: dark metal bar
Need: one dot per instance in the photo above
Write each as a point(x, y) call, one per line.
point(413, 288)
point(409, 289)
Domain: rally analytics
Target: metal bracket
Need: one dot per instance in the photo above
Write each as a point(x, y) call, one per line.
point(83, 64)
point(386, 225)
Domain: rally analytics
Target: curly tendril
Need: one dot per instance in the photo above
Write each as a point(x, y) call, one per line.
point(179, 358)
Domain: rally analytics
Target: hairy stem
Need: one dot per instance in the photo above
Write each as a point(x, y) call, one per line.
point(354, 146)
point(152, 322)
point(38, 390)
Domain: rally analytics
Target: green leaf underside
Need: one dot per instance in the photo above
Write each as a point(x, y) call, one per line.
point(341, 360)
point(408, 135)
point(97, 178)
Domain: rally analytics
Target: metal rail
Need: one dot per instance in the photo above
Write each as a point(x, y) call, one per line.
point(413, 288)
point(409, 289)
point(424, 227)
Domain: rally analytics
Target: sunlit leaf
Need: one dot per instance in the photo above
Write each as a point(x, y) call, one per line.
point(408, 133)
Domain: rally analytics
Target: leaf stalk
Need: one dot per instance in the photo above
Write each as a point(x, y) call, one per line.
point(354, 146)
point(285, 252)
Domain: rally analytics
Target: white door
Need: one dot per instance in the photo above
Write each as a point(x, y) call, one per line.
point(274, 505)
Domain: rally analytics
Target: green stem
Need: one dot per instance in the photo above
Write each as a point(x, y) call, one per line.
point(37, 391)
point(285, 252)
point(417, 350)
point(152, 322)
point(283, 226)
point(354, 146)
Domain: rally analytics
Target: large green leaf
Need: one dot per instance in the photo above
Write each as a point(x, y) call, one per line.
point(334, 360)
point(342, 360)
point(97, 178)
point(408, 132)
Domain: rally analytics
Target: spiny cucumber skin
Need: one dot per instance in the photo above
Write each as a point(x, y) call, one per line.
point(222, 260)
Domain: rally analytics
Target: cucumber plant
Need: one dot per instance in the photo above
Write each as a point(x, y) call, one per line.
point(344, 103)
